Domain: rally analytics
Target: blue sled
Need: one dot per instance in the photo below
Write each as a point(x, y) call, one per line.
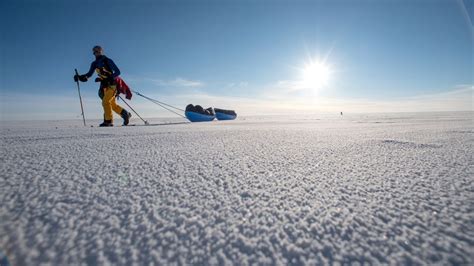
point(222, 116)
point(197, 117)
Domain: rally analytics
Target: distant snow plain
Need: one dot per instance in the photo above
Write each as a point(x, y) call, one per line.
point(375, 188)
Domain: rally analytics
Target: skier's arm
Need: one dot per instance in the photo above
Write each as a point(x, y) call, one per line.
point(91, 70)
point(113, 66)
point(84, 77)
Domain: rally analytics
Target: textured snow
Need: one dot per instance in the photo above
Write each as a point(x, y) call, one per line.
point(267, 190)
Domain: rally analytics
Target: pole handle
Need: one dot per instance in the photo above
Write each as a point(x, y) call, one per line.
point(80, 98)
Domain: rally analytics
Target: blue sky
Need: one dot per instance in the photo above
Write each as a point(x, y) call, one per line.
point(242, 54)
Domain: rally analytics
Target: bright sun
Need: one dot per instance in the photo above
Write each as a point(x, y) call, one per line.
point(315, 75)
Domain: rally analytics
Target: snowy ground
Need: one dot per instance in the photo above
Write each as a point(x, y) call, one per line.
point(368, 188)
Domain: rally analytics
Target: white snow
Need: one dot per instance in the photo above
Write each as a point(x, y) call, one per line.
point(269, 190)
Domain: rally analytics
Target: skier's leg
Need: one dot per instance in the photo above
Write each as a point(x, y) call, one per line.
point(113, 103)
point(121, 111)
point(117, 108)
point(109, 96)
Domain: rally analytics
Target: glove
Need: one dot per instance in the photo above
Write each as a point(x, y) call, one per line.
point(82, 78)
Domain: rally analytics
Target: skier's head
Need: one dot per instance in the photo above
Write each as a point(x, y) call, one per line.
point(97, 51)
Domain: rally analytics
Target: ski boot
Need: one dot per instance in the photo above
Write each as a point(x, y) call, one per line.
point(106, 123)
point(126, 117)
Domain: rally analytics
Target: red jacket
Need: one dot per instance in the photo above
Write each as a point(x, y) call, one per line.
point(123, 88)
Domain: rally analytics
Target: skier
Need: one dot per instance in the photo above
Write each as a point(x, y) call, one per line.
point(107, 73)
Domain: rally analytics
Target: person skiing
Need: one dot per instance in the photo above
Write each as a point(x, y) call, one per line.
point(107, 73)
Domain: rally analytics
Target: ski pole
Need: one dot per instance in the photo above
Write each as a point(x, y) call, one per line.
point(144, 121)
point(80, 99)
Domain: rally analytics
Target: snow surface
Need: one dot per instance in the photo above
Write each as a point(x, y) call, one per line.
point(269, 190)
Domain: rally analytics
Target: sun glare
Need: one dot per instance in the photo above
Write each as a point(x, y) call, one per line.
point(316, 75)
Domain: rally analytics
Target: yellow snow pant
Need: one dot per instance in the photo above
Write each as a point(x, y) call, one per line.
point(109, 104)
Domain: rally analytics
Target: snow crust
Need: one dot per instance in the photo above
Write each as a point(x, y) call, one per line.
point(263, 190)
